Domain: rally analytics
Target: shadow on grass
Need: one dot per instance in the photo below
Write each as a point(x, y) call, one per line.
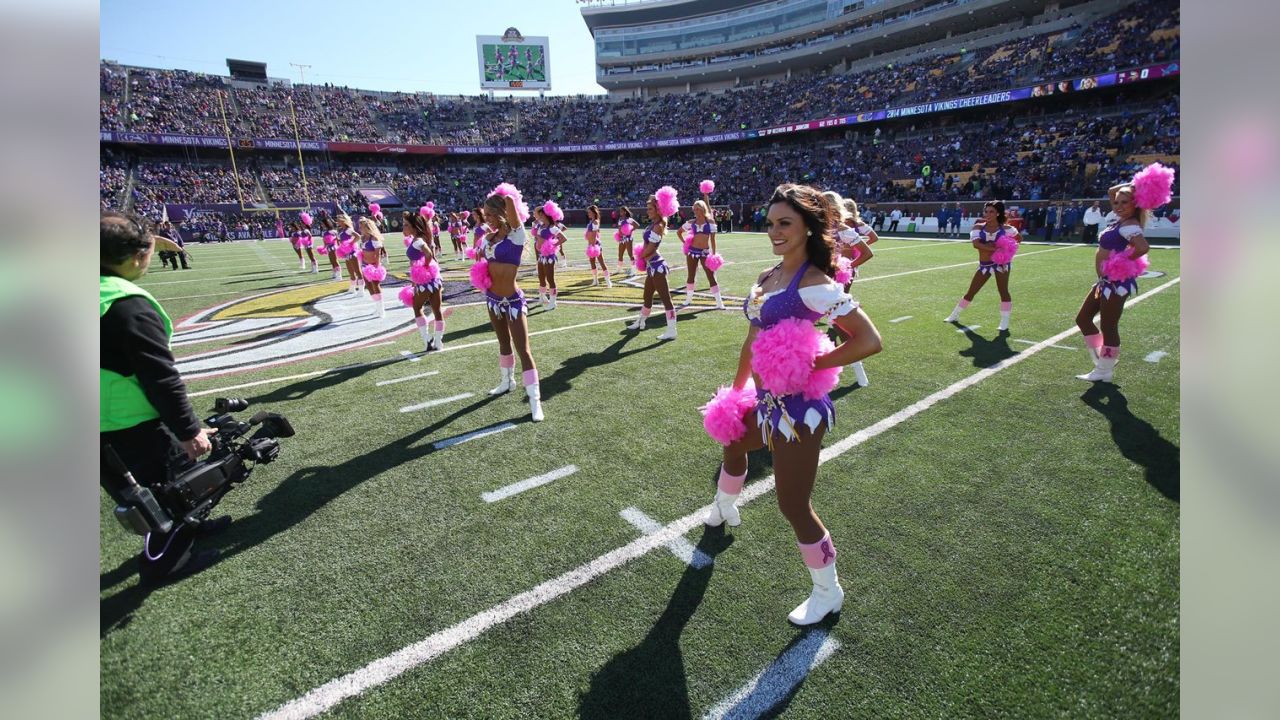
point(561, 380)
point(649, 680)
point(984, 352)
point(294, 500)
point(1137, 440)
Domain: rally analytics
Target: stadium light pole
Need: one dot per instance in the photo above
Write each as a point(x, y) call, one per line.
point(302, 75)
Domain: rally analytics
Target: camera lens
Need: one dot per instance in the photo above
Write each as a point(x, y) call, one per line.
point(225, 405)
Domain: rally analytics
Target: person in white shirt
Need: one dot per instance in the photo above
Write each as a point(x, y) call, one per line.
point(1092, 220)
point(894, 217)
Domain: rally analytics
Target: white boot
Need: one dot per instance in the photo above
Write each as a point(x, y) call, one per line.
point(670, 334)
point(719, 300)
point(860, 374)
point(535, 402)
point(438, 339)
point(688, 296)
point(377, 302)
point(508, 381)
point(1103, 368)
point(302, 264)
point(425, 333)
point(1004, 322)
point(315, 269)
point(595, 277)
point(955, 314)
point(551, 300)
point(608, 282)
point(638, 324)
point(827, 597)
point(337, 275)
point(723, 510)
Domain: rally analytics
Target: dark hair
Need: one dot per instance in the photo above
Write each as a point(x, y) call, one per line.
point(123, 236)
point(818, 218)
point(593, 211)
point(416, 222)
point(326, 221)
point(999, 206)
point(624, 211)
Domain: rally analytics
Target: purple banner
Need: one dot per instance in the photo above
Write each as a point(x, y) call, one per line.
point(380, 195)
point(193, 212)
point(1150, 72)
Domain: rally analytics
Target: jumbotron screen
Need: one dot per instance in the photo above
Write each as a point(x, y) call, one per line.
point(511, 64)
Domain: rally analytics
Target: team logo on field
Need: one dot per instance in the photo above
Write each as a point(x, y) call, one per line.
point(286, 326)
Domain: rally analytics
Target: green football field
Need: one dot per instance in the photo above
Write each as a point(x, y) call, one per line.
point(1007, 534)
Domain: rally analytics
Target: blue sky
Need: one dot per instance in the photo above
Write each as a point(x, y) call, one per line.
point(380, 45)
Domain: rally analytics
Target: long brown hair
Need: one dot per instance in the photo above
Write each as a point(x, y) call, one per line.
point(818, 220)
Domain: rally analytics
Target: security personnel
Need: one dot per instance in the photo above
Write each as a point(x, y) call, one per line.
point(144, 414)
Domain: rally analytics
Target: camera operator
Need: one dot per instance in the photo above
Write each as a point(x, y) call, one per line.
point(141, 392)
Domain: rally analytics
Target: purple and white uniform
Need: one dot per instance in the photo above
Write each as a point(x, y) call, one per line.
point(979, 233)
point(508, 251)
point(654, 264)
point(783, 414)
point(544, 234)
point(1116, 239)
point(708, 229)
point(330, 239)
point(623, 236)
point(418, 251)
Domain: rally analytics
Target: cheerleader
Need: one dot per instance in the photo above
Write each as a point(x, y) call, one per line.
point(661, 205)
point(300, 238)
point(330, 246)
point(1121, 257)
point(347, 252)
point(371, 250)
point(782, 308)
point(595, 251)
point(550, 240)
point(479, 231)
point(853, 244)
point(700, 239)
point(457, 234)
point(626, 224)
point(424, 275)
point(996, 244)
point(433, 223)
point(505, 213)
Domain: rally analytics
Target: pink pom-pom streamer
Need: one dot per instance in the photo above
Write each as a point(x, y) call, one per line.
point(553, 211)
point(707, 186)
point(687, 245)
point(641, 264)
point(426, 211)
point(323, 249)
point(715, 261)
point(305, 241)
point(466, 214)
point(406, 295)
point(1006, 248)
point(824, 380)
point(782, 355)
point(511, 191)
point(1153, 186)
point(346, 249)
point(480, 275)
point(470, 253)
point(627, 229)
point(431, 204)
point(724, 417)
point(424, 274)
point(844, 271)
point(375, 209)
point(668, 200)
point(1120, 267)
point(593, 251)
point(617, 236)
point(305, 218)
point(547, 248)
point(374, 273)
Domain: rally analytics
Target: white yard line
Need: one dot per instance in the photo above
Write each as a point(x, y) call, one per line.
point(1033, 342)
point(433, 403)
point(773, 684)
point(1155, 356)
point(684, 550)
point(467, 437)
point(529, 484)
point(407, 378)
point(385, 669)
point(901, 319)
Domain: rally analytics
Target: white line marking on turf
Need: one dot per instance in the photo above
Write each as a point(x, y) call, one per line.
point(407, 378)
point(1155, 356)
point(901, 319)
point(948, 267)
point(764, 691)
point(679, 546)
point(485, 432)
point(533, 482)
point(1033, 342)
point(410, 356)
point(387, 668)
point(433, 403)
point(967, 328)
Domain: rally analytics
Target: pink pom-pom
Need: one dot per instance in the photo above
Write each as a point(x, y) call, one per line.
point(614, 214)
point(627, 229)
point(1153, 186)
point(668, 200)
point(470, 253)
point(466, 214)
point(844, 271)
point(323, 249)
point(553, 211)
point(426, 211)
point(375, 209)
point(782, 355)
point(305, 241)
point(824, 380)
point(707, 186)
point(408, 240)
point(406, 295)
point(724, 417)
point(424, 274)
point(547, 248)
point(593, 251)
point(374, 273)
point(511, 191)
point(480, 275)
point(715, 261)
point(687, 245)
point(641, 264)
point(617, 236)
point(1120, 267)
point(1006, 248)
point(431, 204)
point(305, 218)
